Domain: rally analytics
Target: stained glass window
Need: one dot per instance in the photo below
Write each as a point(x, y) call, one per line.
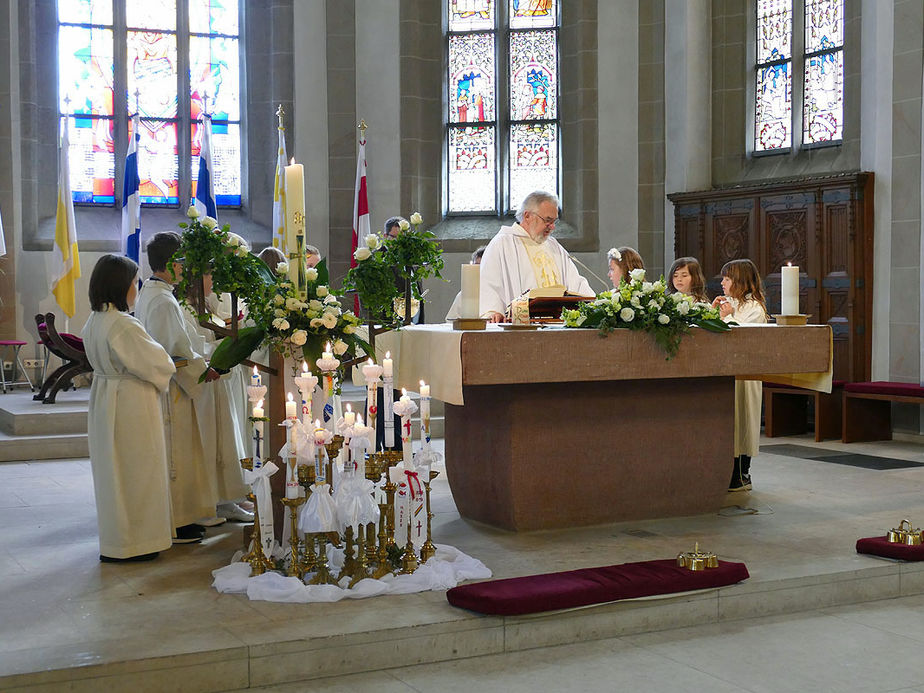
point(823, 108)
point(515, 148)
point(773, 108)
point(809, 66)
point(154, 48)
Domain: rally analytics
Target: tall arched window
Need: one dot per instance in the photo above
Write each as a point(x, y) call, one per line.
point(162, 59)
point(503, 123)
point(799, 68)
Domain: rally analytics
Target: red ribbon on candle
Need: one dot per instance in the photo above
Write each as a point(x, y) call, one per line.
point(414, 478)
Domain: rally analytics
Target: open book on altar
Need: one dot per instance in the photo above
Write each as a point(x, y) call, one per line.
point(545, 304)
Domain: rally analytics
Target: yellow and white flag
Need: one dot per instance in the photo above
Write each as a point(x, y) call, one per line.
point(65, 263)
point(279, 194)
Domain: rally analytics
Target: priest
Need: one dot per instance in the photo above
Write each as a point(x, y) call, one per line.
point(524, 256)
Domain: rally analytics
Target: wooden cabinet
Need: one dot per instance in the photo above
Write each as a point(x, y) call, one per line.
point(822, 224)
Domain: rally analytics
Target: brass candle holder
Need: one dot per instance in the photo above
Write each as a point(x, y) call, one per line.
point(333, 449)
point(360, 564)
point(258, 561)
point(428, 550)
point(697, 560)
point(409, 559)
point(309, 558)
point(348, 559)
point(296, 568)
point(322, 576)
point(382, 564)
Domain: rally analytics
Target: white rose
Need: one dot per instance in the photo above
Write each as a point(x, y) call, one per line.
point(192, 213)
point(316, 322)
point(653, 304)
point(299, 337)
point(637, 275)
point(311, 313)
point(329, 320)
point(282, 267)
point(349, 329)
point(210, 223)
point(372, 241)
point(315, 304)
point(281, 324)
point(663, 319)
point(660, 285)
point(403, 225)
point(278, 300)
point(683, 308)
point(647, 287)
point(241, 251)
point(279, 313)
point(311, 274)
point(323, 291)
point(292, 303)
point(627, 314)
point(331, 301)
point(340, 347)
point(362, 254)
point(416, 219)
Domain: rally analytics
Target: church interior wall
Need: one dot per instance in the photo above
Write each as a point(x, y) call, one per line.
point(651, 135)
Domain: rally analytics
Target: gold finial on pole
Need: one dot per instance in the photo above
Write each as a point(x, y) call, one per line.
point(280, 112)
point(137, 100)
point(362, 128)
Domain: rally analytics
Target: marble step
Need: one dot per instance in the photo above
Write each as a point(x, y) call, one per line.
point(22, 448)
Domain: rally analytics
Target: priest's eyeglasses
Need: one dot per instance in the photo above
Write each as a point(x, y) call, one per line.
point(549, 221)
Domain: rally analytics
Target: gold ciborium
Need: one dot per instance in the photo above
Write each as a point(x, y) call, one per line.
point(697, 560)
point(908, 536)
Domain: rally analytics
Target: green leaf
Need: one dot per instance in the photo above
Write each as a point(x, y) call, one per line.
point(323, 273)
point(230, 352)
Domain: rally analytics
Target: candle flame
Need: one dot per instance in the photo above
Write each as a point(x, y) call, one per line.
point(403, 392)
point(292, 161)
point(290, 397)
point(789, 263)
point(370, 362)
point(349, 407)
point(359, 421)
point(260, 404)
point(255, 370)
point(388, 354)
point(422, 383)
point(304, 367)
point(327, 347)
point(317, 423)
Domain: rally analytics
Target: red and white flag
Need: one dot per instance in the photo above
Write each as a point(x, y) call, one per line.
point(361, 226)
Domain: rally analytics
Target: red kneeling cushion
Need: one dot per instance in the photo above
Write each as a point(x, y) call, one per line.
point(68, 338)
point(881, 546)
point(573, 588)
point(880, 387)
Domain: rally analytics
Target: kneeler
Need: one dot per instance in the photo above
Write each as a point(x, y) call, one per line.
point(68, 348)
point(881, 546)
point(574, 588)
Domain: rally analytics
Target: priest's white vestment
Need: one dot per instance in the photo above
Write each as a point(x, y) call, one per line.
point(126, 435)
point(193, 484)
point(220, 410)
point(514, 263)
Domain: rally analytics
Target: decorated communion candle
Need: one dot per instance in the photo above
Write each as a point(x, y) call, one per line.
point(789, 300)
point(291, 410)
point(292, 487)
point(255, 379)
point(295, 212)
point(471, 289)
point(424, 412)
point(388, 398)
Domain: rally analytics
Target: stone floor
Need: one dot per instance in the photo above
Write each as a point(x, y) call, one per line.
point(69, 622)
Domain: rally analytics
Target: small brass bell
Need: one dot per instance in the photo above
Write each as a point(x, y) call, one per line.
point(697, 560)
point(901, 535)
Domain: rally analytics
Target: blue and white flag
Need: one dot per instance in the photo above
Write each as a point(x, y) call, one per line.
point(205, 183)
point(131, 196)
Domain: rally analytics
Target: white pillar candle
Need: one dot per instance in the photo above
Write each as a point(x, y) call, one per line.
point(295, 210)
point(388, 398)
point(349, 417)
point(327, 353)
point(789, 299)
point(388, 365)
point(291, 410)
point(257, 413)
point(471, 289)
point(424, 412)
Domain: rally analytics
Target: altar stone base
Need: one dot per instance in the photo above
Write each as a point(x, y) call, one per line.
point(553, 455)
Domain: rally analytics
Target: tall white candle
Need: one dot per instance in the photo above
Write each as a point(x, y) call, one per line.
point(388, 366)
point(257, 413)
point(388, 400)
point(471, 289)
point(295, 210)
point(789, 299)
point(291, 410)
point(424, 412)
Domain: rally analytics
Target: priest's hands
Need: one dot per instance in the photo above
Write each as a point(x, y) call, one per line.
point(211, 374)
point(494, 316)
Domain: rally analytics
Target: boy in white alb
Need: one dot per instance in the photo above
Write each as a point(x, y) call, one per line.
point(192, 485)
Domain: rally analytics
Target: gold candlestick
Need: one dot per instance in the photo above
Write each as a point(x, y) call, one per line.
point(383, 566)
point(361, 564)
point(296, 568)
point(333, 449)
point(409, 559)
point(348, 561)
point(309, 558)
point(258, 561)
point(428, 549)
point(323, 575)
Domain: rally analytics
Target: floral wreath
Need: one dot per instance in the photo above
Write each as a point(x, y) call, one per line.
point(614, 254)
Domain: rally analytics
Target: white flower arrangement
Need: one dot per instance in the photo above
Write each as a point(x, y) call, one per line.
point(323, 291)
point(311, 274)
point(416, 219)
point(641, 305)
point(403, 225)
point(211, 223)
point(613, 254)
point(372, 241)
point(362, 254)
point(192, 212)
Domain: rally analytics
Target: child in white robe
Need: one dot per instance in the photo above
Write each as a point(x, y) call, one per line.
point(743, 302)
point(127, 448)
point(192, 487)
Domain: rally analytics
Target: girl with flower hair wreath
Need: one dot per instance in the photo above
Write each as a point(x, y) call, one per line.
point(743, 302)
point(622, 260)
point(686, 277)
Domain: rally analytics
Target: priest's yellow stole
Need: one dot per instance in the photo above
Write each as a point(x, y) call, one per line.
point(543, 264)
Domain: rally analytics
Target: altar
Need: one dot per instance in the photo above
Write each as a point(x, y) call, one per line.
point(559, 427)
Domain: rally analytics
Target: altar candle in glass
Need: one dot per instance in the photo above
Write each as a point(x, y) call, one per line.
point(291, 410)
point(471, 289)
point(789, 300)
point(255, 379)
point(424, 412)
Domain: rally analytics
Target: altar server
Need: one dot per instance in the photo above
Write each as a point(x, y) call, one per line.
point(621, 261)
point(192, 477)
point(743, 302)
point(222, 418)
point(525, 256)
point(686, 277)
point(127, 449)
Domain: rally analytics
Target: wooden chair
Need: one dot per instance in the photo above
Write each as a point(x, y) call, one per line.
point(68, 348)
